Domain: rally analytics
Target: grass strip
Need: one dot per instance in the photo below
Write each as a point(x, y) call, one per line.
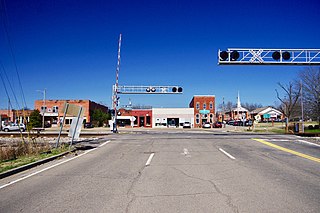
point(24, 160)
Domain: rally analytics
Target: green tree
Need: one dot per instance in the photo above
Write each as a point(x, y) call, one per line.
point(98, 117)
point(35, 119)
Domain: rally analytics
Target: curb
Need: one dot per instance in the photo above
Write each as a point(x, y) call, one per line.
point(31, 165)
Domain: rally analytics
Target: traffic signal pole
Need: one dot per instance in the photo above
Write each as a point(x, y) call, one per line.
point(117, 89)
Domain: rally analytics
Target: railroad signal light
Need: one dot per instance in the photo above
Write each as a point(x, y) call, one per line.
point(224, 55)
point(234, 55)
point(177, 89)
point(286, 55)
point(151, 89)
point(276, 55)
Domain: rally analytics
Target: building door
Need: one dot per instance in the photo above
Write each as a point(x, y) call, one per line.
point(141, 121)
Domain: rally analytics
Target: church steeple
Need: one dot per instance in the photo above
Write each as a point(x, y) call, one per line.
point(238, 101)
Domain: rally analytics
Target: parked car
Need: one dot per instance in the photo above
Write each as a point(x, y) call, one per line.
point(7, 127)
point(88, 125)
point(187, 125)
point(47, 125)
point(231, 122)
point(206, 125)
point(248, 123)
point(217, 125)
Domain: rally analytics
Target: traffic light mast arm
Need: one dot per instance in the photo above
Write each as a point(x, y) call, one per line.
point(254, 56)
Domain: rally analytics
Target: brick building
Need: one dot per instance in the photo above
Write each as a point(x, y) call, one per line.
point(53, 109)
point(135, 118)
point(16, 116)
point(204, 109)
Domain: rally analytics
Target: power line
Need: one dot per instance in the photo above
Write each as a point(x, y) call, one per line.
point(5, 26)
point(14, 94)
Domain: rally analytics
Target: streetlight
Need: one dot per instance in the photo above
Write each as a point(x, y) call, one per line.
point(43, 105)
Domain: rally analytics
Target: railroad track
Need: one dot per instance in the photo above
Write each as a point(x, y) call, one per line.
point(50, 134)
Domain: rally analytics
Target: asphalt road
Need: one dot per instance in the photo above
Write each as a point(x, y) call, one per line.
point(186, 171)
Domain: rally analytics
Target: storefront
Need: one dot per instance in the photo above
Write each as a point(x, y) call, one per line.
point(172, 117)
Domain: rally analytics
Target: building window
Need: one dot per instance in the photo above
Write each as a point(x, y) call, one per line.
point(55, 109)
point(197, 105)
point(148, 120)
point(204, 106)
point(197, 118)
point(43, 109)
point(211, 105)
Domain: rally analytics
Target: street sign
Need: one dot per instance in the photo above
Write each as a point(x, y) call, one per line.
point(266, 116)
point(204, 111)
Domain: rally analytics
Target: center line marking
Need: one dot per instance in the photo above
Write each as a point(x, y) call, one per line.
point(149, 159)
point(288, 150)
point(227, 154)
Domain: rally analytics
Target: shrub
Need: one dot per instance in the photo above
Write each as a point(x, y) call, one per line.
point(316, 127)
point(310, 127)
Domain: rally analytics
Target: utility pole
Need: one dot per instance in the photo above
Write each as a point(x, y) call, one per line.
point(43, 104)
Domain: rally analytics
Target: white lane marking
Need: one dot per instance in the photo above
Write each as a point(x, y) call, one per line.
point(287, 140)
point(149, 159)
point(227, 154)
point(185, 151)
point(101, 145)
point(307, 142)
point(50, 167)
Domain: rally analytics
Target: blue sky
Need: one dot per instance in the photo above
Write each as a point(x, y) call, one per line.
point(70, 47)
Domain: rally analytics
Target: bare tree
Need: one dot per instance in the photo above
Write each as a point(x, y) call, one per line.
point(251, 106)
point(310, 81)
point(289, 101)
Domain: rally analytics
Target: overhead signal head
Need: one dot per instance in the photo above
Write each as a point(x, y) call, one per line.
point(276, 55)
point(234, 55)
point(174, 89)
point(286, 55)
point(177, 89)
point(224, 55)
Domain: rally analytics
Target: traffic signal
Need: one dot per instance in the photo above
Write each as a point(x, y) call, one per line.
point(224, 55)
point(286, 55)
point(234, 55)
point(151, 89)
point(177, 89)
point(276, 55)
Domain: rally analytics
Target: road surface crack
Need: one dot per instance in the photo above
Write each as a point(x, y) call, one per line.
point(130, 193)
point(217, 189)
